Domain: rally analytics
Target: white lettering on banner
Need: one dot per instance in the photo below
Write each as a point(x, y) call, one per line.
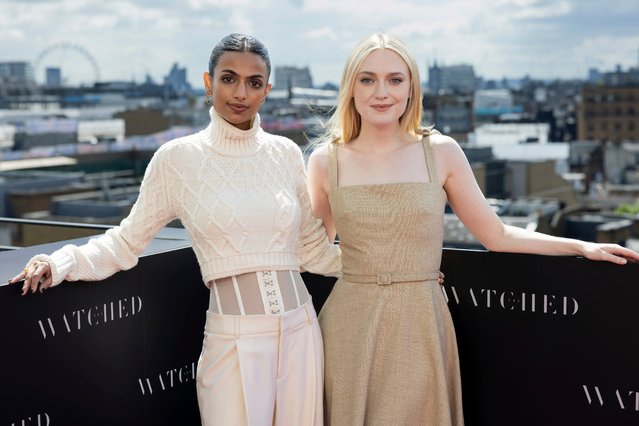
point(95, 315)
point(42, 419)
point(624, 399)
point(515, 301)
point(168, 379)
point(474, 298)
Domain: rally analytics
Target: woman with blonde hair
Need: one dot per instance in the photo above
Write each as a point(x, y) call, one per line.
point(381, 182)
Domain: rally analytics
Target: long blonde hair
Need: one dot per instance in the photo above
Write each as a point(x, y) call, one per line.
point(345, 123)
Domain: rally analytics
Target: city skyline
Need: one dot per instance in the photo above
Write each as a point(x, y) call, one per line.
point(543, 39)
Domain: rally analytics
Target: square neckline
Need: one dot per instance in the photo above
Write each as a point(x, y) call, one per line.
point(430, 166)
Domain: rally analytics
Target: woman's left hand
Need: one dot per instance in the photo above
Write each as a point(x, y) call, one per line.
point(610, 252)
point(36, 276)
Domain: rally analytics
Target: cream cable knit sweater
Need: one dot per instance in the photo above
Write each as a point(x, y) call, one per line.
point(242, 197)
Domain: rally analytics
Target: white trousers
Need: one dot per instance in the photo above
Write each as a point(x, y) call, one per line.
point(262, 370)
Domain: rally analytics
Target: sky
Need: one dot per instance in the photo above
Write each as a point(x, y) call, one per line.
point(128, 39)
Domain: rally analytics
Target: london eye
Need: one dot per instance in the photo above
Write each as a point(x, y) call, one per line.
point(77, 66)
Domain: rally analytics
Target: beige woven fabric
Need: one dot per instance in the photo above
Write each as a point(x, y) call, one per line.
point(390, 349)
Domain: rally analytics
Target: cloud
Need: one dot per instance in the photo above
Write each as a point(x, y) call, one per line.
point(541, 11)
point(101, 22)
point(235, 5)
point(499, 38)
point(241, 23)
point(323, 33)
point(11, 35)
point(608, 51)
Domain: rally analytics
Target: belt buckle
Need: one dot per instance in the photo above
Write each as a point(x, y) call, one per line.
point(383, 279)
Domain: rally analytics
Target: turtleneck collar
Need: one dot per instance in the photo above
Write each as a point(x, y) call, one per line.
point(227, 139)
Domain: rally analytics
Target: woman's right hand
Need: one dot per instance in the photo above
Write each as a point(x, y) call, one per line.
point(36, 275)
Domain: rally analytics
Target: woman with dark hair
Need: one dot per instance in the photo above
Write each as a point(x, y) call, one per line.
point(382, 182)
point(241, 194)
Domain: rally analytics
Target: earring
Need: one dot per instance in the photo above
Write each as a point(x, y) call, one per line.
point(208, 99)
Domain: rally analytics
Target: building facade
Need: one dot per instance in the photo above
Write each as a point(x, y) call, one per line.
point(288, 77)
point(609, 113)
point(16, 72)
point(451, 114)
point(452, 78)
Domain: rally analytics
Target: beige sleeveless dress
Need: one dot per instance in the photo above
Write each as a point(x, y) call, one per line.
point(390, 349)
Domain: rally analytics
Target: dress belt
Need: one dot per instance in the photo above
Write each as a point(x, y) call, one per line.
point(385, 279)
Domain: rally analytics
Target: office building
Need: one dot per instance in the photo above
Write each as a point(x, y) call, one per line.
point(453, 78)
point(287, 77)
point(609, 113)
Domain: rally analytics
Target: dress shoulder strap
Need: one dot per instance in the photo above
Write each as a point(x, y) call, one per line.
point(430, 156)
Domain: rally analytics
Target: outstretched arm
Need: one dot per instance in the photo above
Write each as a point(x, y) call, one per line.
point(118, 249)
point(469, 204)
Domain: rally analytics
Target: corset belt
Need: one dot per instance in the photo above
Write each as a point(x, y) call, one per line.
point(385, 279)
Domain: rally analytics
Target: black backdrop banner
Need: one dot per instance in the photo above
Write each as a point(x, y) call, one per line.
point(545, 340)
point(542, 341)
point(122, 351)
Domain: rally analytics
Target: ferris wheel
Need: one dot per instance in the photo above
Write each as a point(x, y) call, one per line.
point(76, 64)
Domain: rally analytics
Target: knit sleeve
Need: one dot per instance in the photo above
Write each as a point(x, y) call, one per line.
point(316, 253)
point(119, 248)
